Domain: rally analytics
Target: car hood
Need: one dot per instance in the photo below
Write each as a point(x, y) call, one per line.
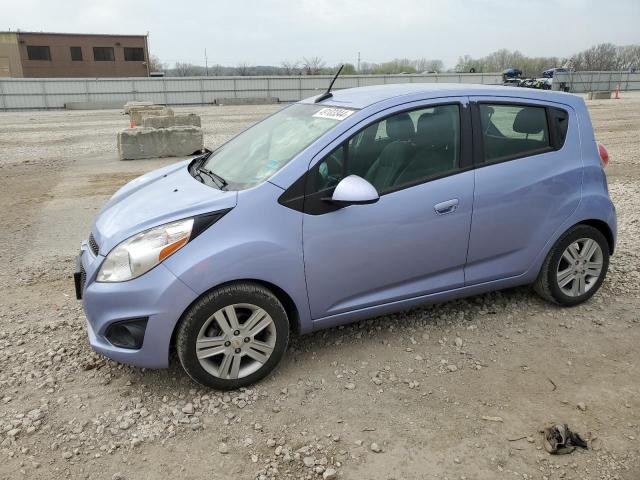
point(159, 197)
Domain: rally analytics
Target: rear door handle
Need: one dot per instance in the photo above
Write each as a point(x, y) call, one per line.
point(449, 206)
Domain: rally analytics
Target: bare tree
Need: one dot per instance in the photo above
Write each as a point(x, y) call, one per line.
point(607, 56)
point(216, 70)
point(242, 69)
point(290, 68)
point(599, 57)
point(184, 69)
point(155, 65)
point(629, 57)
point(313, 65)
point(466, 63)
point(502, 59)
point(424, 65)
point(348, 69)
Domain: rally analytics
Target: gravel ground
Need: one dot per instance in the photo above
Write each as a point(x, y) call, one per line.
point(453, 391)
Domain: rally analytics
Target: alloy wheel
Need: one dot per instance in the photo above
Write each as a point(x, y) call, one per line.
point(236, 341)
point(580, 267)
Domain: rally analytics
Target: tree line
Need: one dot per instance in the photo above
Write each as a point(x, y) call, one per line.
point(604, 56)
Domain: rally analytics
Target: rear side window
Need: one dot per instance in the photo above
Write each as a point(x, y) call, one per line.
point(513, 131)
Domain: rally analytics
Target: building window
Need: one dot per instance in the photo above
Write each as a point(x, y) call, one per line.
point(76, 54)
point(103, 54)
point(38, 53)
point(134, 54)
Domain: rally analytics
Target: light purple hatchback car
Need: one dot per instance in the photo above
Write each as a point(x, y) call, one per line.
point(344, 207)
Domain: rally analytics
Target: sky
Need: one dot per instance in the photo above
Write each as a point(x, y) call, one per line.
point(268, 32)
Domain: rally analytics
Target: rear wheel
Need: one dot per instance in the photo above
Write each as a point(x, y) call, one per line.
point(575, 267)
point(233, 336)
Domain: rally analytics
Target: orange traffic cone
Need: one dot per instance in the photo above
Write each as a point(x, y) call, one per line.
point(617, 92)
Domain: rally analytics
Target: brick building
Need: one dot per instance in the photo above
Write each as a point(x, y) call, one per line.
point(37, 54)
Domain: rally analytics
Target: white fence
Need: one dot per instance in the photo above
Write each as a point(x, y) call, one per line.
point(36, 93)
point(580, 82)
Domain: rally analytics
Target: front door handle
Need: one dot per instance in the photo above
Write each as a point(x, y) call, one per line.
point(449, 206)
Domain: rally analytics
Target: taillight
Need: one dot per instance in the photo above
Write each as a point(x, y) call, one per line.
point(604, 155)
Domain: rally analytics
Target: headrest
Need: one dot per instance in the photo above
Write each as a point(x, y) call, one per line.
point(400, 127)
point(530, 120)
point(436, 129)
point(486, 111)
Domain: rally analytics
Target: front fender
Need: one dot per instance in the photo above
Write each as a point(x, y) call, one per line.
point(259, 240)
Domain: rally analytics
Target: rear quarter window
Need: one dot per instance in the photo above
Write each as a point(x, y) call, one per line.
point(558, 126)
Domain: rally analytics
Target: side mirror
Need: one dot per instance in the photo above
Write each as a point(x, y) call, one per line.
point(354, 190)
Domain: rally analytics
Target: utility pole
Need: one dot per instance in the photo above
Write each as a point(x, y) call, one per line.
point(206, 63)
point(358, 70)
point(146, 45)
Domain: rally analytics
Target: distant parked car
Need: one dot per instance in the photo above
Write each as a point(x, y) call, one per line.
point(539, 83)
point(552, 71)
point(344, 207)
point(512, 73)
point(511, 77)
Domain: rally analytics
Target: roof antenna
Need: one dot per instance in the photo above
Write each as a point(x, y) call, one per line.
point(328, 93)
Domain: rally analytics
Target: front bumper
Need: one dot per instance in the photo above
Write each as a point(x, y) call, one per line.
point(157, 295)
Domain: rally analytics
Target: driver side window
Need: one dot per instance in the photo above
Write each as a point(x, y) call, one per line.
point(402, 149)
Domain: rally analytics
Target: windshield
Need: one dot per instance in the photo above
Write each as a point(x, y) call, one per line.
point(259, 152)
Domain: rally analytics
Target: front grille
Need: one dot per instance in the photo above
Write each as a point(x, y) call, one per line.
point(93, 245)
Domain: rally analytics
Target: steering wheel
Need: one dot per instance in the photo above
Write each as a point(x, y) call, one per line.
point(330, 171)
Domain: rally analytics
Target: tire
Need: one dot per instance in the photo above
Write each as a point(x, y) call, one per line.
point(557, 268)
point(222, 353)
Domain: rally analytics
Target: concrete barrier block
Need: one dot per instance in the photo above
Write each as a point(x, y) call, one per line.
point(598, 95)
point(166, 121)
point(137, 114)
point(135, 104)
point(143, 142)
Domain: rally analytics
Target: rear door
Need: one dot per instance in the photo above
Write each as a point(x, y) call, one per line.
point(528, 180)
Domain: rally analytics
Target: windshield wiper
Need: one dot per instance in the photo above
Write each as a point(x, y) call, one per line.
point(217, 179)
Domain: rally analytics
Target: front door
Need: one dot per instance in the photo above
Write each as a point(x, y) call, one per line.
point(414, 240)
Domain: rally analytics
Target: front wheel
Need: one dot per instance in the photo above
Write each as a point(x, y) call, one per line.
point(575, 267)
point(233, 336)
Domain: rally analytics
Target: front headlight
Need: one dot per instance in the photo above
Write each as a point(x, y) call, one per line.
point(143, 251)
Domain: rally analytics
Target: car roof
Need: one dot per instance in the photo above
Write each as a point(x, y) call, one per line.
point(362, 97)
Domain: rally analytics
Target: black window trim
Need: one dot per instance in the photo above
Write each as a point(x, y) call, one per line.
point(296, 196)
point(111, 49)
point(48, 50)
point(479, 160)
point(141, 49)
point(76, 49)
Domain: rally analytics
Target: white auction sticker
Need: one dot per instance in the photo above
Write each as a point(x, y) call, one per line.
point(333, 113)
